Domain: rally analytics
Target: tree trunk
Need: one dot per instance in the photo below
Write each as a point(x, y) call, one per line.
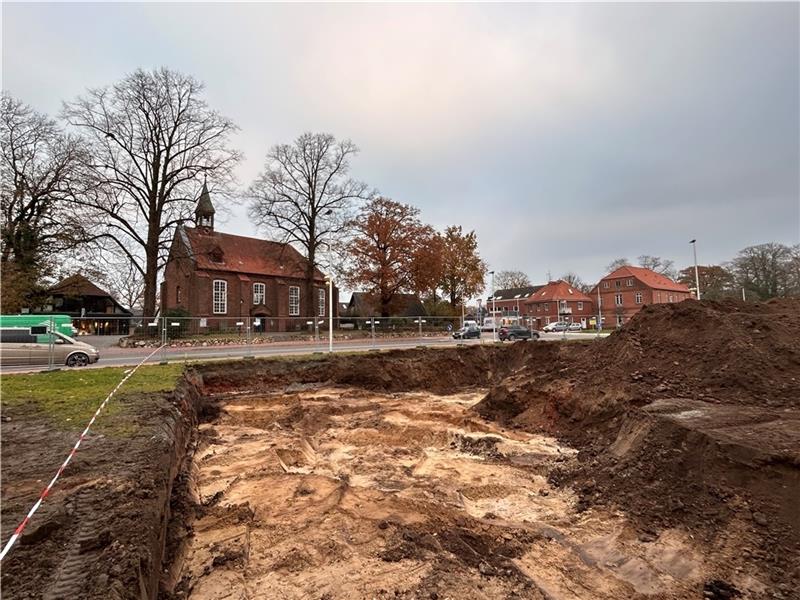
point(311, 301)
point(151, 272)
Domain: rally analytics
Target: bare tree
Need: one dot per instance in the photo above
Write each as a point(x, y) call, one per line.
point(504, 280)
point(616, 264)
point(305, 197)
point(574, 280)
point(38, 173)
point(153, 140)
point(660, 265)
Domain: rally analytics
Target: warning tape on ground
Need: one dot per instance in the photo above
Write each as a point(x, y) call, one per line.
point(46, 491)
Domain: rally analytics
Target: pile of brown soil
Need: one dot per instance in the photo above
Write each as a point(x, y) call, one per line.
point(719, 352)
point(688, 416)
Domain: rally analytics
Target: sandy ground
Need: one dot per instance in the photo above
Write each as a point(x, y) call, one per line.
point(337, 492)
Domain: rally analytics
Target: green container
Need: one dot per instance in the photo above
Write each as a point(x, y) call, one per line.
point(61, 323)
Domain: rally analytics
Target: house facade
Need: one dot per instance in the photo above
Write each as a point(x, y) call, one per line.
point(625, 291)
point(559, 301)
point(93, 310)
point(509, 305)
point(230, 281)
point(364, 305)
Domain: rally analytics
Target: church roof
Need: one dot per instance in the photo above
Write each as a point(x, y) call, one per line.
point(215, 251)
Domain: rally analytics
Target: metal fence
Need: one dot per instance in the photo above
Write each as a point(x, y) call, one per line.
point(189, 338)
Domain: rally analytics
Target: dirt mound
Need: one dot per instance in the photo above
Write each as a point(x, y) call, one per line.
point(720, 352)
point(687, 416)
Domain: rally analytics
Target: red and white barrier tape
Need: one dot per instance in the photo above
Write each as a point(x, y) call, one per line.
point(46, 491)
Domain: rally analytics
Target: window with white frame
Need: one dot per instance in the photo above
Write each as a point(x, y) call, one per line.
point(617, 284)
point(220, 297)
point(546, 307)
point(580, 305)
point(618, 299)
point(294, 301)
point(638, 297)
point(259, 293)
point(605, 284)
point(321, 299)
point(630, 282)
point(670, 298)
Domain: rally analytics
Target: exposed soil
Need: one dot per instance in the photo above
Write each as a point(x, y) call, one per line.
point(661, 462)
point(100, 532)
point(687, 417)
point(323, 491)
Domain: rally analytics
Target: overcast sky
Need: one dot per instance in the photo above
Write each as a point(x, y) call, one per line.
point(566, 135)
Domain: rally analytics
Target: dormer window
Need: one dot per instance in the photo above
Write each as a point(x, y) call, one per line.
point(216, 255)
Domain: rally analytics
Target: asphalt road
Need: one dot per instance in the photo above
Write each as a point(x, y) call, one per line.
point(116, 357)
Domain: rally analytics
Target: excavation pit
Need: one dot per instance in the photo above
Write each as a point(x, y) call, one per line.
point(328, 491)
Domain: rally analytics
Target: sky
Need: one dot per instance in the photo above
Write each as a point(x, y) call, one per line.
point(565, 135)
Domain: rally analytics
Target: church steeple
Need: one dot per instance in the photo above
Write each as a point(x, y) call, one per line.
point(204, 213)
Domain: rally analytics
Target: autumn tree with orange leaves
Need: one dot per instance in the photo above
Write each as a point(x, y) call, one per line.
point(384, 251)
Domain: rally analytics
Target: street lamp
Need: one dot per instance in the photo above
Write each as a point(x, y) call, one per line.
point(494, 311)
point(329, 283)
point(696, 272)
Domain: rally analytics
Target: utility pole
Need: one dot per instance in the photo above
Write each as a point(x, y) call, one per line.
point(494, 315)
point(696, 272)
point(599, 311)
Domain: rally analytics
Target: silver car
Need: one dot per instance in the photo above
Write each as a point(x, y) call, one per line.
point(20, 347)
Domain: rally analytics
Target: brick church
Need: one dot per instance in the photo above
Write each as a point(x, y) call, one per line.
point(224, 279)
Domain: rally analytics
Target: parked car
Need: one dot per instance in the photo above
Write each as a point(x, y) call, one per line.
point(516, 332)
point(557, 326)
point(23, 346)
point(468, 332)
point(575, 326)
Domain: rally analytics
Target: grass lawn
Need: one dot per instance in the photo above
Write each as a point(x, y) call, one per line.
point(70, 397)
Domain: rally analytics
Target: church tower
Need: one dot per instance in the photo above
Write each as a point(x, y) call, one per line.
point(204, 213)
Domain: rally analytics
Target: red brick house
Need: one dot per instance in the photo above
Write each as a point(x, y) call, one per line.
point(625, 291)
point(227, 279)
point(559, 301)
point(509, 304)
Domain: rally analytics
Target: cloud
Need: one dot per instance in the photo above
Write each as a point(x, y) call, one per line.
point(564, 134)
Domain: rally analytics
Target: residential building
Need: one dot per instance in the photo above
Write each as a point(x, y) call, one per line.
point(559, 301)
point(224, 279)
point(363, 304)
point(626, 290)
point(93, 310)
point(509, 304)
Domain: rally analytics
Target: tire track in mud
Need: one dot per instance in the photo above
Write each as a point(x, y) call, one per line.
point(86, 540)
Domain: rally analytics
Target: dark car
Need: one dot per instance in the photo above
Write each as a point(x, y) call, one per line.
point(517, 332)
point(466, 333)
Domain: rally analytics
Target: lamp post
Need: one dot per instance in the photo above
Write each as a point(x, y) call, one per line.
point(696, 272)
point(494, 310)
point(329, 283)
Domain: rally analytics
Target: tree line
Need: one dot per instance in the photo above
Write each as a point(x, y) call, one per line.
point(103, 187)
